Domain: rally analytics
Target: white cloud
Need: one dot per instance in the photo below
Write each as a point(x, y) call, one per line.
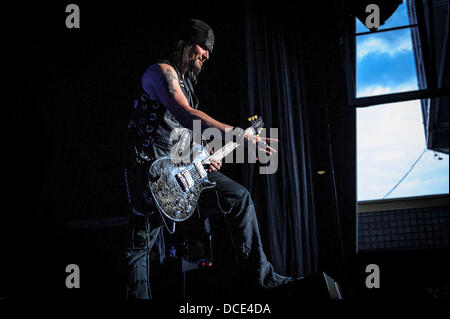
point(384, 127)
point(390, 138)
point(380, 89)
point(381, 45)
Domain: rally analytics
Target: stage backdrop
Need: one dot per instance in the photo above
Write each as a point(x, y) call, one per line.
point(70, 91)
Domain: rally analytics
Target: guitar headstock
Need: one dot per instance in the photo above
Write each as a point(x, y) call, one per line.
point(256, 123)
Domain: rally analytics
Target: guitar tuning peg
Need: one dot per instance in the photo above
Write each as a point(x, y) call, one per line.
point(256, 117)
point(249, 119)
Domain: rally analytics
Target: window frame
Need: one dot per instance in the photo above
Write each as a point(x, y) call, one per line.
point(429, 91)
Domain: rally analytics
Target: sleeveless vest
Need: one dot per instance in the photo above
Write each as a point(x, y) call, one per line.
point(151, 123)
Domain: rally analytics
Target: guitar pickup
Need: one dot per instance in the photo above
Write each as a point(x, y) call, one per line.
point(200, 170)
point(185, 180)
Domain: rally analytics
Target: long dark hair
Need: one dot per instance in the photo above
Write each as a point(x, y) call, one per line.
point(180, 58)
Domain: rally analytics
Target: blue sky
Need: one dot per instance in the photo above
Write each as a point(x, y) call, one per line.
point(385, 60)
point(390, 137)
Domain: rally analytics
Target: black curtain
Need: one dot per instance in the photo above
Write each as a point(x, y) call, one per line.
point(286, 205)
point(67, 109)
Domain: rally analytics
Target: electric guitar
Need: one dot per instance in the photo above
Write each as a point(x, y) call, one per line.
point(176, 186)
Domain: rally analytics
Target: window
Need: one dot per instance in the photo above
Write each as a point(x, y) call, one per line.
point(393, 155)
point(385, 59)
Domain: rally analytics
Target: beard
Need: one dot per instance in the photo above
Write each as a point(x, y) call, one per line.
point(193, 70)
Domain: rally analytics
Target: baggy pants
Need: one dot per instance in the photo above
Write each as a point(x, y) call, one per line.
point(240, 216)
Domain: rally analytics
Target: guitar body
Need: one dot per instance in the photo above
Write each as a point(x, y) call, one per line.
point(176, 182)
point(176, 186)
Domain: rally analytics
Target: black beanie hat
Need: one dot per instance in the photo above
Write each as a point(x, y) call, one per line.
point(198, 32)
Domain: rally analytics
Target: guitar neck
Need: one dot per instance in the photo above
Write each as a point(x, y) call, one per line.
point(225, 150)
point(221, 153)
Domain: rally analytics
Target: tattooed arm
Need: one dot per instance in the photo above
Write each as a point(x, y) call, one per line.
point(164, 82)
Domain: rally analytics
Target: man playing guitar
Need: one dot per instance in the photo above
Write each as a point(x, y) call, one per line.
point(168, 102)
